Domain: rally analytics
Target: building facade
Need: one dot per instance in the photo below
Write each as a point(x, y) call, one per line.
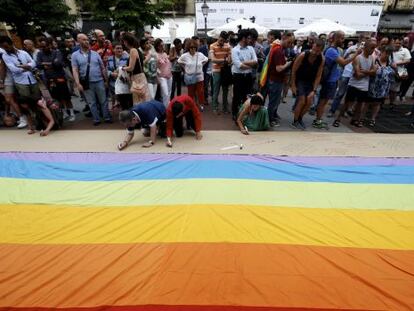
point(361, 15)
point(397, 18)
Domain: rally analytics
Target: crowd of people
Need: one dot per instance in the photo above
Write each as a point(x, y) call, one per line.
point(142, 80)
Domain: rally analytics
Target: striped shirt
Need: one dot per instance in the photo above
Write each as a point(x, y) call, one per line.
point(220, 52)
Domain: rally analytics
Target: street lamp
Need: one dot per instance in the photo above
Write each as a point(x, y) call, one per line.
point(204, 9)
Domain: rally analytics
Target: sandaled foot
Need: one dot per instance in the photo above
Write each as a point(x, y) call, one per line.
point(336, 123)
point(44, 133)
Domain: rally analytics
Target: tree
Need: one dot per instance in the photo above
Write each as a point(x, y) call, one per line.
point(129, 14)
point(28, 17)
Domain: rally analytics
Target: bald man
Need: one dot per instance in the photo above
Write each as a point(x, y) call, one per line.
point(331, 75)
point(29, 47)
point(90, 77)
point(102, 46)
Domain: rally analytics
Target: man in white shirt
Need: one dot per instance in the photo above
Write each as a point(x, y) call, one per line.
point(29, 47)
point(401, 58)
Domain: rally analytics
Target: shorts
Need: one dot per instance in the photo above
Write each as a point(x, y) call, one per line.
point(303, 88)
point(60, 91)
point(9, 90)
point(28, 93)
point(353, 94)
point(373, 100)
point(328, 90)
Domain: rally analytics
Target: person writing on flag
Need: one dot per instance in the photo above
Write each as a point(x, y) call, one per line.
point(179, 108)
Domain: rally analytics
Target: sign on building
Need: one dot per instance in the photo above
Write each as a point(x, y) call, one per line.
point(292, 16)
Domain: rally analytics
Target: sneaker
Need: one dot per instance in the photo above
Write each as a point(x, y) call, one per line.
point(412, 125)
point(65, 115)
point(72, 118)
point(331, 114)
point(295, 125)
point(407, 114)
point(275, 123)
point(302, 124)
point(284, 101)
point(22, 123)
point(319, 124)
point(402, 99)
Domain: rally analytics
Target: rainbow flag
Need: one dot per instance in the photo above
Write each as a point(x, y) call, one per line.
point(152, 232)
point(264, 74)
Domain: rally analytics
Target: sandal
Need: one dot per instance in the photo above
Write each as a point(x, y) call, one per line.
point(354, 122)
point(359, 124)
point(336, 123)
point(371, 123)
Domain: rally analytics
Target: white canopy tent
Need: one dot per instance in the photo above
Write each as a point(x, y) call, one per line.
point(324, 26)
point(180, 28)
point(234, 26)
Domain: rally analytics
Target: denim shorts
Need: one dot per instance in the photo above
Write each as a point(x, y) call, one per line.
point(328, 90)
point(303, 88)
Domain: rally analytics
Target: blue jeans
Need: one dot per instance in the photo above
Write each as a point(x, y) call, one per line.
point(340, 93)
point(96, 95)
point(275, 94)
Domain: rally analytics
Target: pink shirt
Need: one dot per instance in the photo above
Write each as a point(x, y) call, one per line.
point(164, 66)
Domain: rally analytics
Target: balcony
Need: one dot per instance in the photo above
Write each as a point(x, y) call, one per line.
point(401, 6)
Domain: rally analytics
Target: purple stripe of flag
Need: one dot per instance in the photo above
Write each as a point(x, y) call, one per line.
point(138, 157)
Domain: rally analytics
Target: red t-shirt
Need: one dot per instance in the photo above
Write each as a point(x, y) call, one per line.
point(278, 59)
point(104, 52)
point(189, 106)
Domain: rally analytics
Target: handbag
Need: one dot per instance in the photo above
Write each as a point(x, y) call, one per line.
point(84, 81)
point(139, 86)
point(402, 73)
point(191, 78)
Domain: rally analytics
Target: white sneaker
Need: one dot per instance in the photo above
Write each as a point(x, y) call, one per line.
point(22, 123)
point(65, 115)
point(72, 118)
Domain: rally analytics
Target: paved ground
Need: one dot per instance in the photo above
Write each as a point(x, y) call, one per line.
point(218, 142)
point(391, 122)
point(211, 121)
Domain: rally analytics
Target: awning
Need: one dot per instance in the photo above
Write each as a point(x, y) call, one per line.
point(180, 27)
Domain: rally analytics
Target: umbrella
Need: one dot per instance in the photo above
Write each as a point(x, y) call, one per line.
point(234, 26)
point(323, 26)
